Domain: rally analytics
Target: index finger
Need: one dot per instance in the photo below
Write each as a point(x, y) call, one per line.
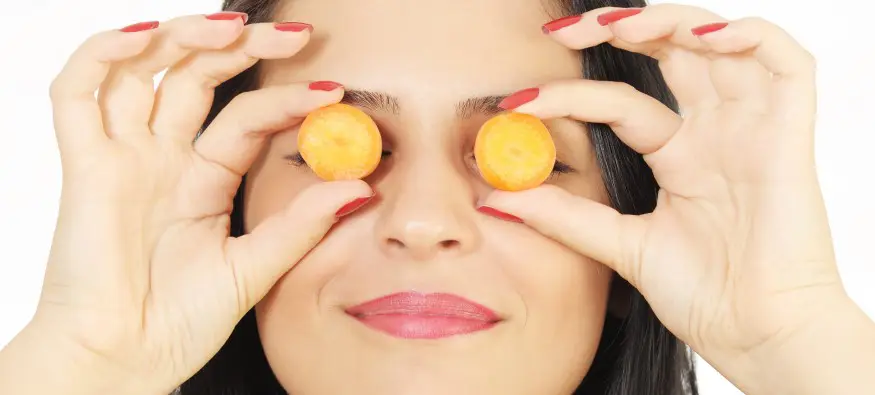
point(640, 121)
point(234, 139)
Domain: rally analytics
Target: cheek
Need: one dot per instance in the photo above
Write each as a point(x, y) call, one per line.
point(303, 339)
point(301, 292)
point(562, 289)
point(270, 187)
point(556, 281)
point(563, 299)
point(563, 292)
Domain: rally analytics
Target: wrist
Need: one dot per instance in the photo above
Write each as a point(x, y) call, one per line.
point(40, 361)
point(832, 353)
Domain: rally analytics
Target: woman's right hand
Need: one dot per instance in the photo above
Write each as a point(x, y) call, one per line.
point(142, 275)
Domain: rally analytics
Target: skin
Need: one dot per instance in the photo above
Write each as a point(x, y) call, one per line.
point(426, 234)
point(143, 285)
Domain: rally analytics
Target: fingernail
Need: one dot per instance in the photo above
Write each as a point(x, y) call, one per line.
point(139, 27)
point(709, 28)
point(326, 86)
point(352, 206)
point(293, 26)
point(616, 15)
point(519, 98)
point(560, 23)
point(228, 16)
point(498, 214)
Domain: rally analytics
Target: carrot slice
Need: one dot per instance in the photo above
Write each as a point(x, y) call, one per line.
point(340, 142)
point(514, 151)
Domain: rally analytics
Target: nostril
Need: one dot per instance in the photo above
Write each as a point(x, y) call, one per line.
point(449, 244)
point(395, 243)
point(420, 248)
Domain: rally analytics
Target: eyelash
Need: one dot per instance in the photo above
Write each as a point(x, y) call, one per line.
point(562, 168)
point(558, 168)
point(298, 160)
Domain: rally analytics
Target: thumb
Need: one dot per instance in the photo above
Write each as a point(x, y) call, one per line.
point(261, 257)
point(586, 226)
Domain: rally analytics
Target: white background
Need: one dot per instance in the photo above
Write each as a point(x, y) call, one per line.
point(37, 37)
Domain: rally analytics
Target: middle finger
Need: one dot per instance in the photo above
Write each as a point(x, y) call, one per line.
point(127, 95)
point(660, 31)
point(186, 92)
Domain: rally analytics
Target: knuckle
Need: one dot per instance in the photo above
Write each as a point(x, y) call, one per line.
point(59, 86)
point(757, 22)
point(244, 103)
point(667, 8)
point(199, 75)
point(678, 10)
point(632, 35)
point(57, 89)
point(95, 40)
point(759, 25)
point(807, 60)
point(175, 23)
point(768, 30)
point(684, 15)
point(95, 44)
point(196, 31)
point(242, 99)
point(623, 89)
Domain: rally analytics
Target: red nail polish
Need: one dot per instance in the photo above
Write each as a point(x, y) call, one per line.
point(293, 27)
point(517, 99)
point(326, 86)
point(709, 28)
point(560, 23)
point(228, 16)
point(139, 27)
point(352, 206)
point(616, 15)
point(498, 214)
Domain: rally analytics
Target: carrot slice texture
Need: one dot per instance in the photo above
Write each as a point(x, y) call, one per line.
point(340, 142)
point(514, 151)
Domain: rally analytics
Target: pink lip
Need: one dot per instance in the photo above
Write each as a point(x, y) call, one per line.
point(411, 315)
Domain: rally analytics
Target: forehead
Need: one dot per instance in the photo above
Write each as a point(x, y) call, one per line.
point(448, 49)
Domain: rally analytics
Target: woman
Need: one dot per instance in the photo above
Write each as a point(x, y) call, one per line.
point(420, 279)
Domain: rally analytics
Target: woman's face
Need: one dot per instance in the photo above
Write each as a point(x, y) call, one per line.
point(432, 71)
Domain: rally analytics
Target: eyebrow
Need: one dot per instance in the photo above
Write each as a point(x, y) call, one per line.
point(484, 105)
point(382, 102)
point(376, 101)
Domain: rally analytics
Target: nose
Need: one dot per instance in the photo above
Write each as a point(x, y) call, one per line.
point(429, 214)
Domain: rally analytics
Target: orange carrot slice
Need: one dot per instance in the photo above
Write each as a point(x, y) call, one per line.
point(340, 142)
point(514, 151)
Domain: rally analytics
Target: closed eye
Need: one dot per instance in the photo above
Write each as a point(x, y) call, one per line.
point(298, 160)
point(559, 167)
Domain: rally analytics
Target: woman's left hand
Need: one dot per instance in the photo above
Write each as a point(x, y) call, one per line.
point(737, 258)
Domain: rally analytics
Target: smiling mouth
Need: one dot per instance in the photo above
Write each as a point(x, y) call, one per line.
point(411, 315)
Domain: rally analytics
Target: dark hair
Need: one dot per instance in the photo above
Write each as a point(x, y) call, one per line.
point(637, 354)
